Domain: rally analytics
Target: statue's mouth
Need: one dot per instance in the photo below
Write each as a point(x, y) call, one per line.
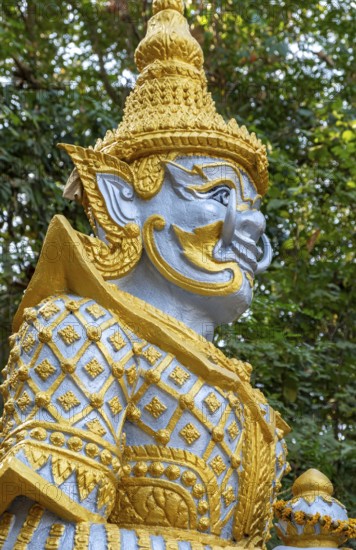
point(243, 251)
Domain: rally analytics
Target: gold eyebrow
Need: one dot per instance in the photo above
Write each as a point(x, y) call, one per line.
point(228, 182)
point(206, 187)
point(211, 184)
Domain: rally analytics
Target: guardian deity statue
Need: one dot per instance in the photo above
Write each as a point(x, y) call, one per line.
point(124, 426)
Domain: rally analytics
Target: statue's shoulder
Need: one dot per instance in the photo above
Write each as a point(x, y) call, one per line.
point(68, 319)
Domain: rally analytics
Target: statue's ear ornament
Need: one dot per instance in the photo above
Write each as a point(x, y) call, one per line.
point(108, 193)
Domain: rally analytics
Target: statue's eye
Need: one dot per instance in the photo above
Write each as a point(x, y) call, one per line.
point(220, 194)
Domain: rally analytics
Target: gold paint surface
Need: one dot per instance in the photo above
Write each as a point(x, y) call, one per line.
point(198, 248)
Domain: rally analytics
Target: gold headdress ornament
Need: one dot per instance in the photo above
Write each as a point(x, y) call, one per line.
point(169, 113)
point(170, 109)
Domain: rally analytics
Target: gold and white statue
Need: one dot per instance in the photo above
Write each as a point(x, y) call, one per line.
point(124, 426)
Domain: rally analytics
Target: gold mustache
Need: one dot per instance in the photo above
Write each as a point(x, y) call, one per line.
point(198, 248)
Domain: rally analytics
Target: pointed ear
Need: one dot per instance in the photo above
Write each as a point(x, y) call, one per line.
point(109, 186)
point(184, 180)
point(119, 196)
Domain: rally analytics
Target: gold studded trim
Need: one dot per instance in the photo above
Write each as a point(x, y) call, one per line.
point(184, 458)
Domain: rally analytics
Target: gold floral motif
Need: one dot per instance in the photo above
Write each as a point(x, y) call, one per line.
point(189, 433)
point(69, 335)
point(48, 310)
point(229, 496)
point(28, 343)
point(155, 407)
point(117, 341)
point(68, 401)
point(95, 311)
point(179, 376)
point(218, 465)
point(24, 401)
point(115, 405)
point(95, 427)
point(151, 354)
point(212, 402)
point(252, 515)
point(94, 368)
point(233, 430)
point(45, 369)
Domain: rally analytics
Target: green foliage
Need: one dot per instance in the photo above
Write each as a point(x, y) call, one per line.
point(286, 71)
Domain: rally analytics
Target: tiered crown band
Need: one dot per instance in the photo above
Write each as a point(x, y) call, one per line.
point(170, 108)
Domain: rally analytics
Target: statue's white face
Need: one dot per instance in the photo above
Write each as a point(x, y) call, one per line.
point(200, 232)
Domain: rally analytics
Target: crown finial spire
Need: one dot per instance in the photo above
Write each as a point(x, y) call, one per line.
point(160, 5)
point(170, 109)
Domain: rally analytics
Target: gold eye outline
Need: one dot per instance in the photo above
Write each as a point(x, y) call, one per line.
point(219, 193)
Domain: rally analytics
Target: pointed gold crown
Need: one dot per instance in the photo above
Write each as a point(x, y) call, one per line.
point(170, 109)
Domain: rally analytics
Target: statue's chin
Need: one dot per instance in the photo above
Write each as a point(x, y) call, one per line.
point(227, 309)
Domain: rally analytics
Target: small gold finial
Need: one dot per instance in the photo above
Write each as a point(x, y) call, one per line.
point(160, 5)
point(312, 481)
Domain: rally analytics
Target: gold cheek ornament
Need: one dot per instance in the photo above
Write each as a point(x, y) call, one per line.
point(198, 247)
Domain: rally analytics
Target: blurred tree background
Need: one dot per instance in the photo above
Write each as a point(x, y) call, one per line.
point(285, 69)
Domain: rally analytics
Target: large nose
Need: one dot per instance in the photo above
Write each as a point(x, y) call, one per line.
point(251, 224)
